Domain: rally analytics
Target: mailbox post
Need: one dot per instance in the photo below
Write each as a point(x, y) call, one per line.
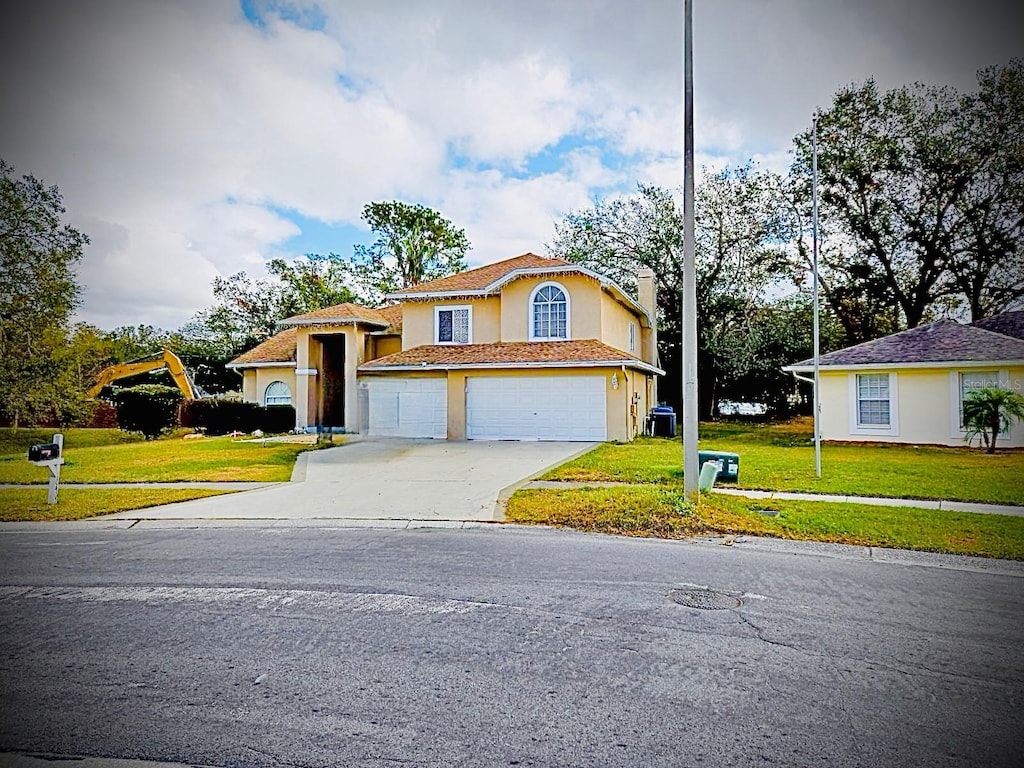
point(51, 456)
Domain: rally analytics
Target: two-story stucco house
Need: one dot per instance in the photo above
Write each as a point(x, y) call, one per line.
point(530, 348)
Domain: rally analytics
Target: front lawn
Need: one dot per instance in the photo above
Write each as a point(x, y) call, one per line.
point(781, 458)
point(655, 510)
point(76, 503)
point(169, 459)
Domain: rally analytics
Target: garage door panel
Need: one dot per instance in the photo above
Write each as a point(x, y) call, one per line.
point(408, 407)
point(536, 408)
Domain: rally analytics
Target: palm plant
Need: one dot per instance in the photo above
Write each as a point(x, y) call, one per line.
point(989, 411)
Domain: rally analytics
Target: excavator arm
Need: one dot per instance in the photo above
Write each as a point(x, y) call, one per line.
point(165, 359)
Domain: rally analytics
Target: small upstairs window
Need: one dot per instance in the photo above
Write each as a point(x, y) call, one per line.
point(453, 325)
point(549, 313)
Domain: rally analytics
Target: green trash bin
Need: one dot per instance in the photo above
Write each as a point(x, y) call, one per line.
point(729, 464)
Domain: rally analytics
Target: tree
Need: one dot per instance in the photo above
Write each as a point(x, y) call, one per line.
point(37, 254)
point(989, 411)
point(987, 264)
point(738, 252)
point(923, 192)
point(414, 244)
point(246, 312)
point(312, 283)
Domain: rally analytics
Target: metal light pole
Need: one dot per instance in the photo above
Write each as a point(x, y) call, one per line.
point(814, 240)
point(691, 470)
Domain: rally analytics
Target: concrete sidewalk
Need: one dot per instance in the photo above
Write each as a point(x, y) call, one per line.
point(949, 506)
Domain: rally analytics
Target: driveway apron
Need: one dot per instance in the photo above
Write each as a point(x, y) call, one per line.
point(390, 478)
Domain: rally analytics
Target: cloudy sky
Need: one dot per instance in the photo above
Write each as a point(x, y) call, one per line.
point(195, 139)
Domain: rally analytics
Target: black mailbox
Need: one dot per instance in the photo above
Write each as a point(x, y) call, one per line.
point(44, 452)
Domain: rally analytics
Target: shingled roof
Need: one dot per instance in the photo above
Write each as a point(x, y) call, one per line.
point(1008, 324)
point(279, 348)
point(480, 278)
point(576, 353)
point(339, 314)
point(943, 341)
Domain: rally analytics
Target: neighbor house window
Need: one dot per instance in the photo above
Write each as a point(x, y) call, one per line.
point(277, 393)
point(452, 325)
point(549, 313)
point(632, 337)
point(973, 381)
point(873, 401)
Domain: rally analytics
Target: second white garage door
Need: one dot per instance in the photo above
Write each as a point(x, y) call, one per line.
point(408, 407)
point(536, 408)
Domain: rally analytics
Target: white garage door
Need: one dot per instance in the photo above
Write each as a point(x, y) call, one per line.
point(536, 408)
point(405, 407)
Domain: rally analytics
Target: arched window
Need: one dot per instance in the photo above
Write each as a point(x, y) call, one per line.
point(549, 312)
point(277, 393)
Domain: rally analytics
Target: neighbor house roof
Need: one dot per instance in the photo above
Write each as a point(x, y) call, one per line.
point(279, 348)
point(517, 354)
point(489, 280)
point(943, 341)
point(1008, 324)
point(339, 314)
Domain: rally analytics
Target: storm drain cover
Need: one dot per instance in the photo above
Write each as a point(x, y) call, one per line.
point(705, 599)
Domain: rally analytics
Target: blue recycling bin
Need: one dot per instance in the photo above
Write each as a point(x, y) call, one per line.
point(663, 421)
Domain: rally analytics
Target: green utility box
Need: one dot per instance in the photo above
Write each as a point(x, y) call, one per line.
point(729, 464)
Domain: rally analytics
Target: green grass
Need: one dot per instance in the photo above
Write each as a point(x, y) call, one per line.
point(781, 458)
point(17, 441)
point(77, 503)
point(655, 510)
point(170, 459)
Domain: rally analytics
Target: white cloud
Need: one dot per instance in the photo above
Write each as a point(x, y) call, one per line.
point(182, 135)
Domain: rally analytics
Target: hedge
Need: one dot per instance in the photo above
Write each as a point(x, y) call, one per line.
point(219, 417)
point(151, 409)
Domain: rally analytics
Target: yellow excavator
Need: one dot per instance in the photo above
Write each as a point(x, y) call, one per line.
point(165, 359)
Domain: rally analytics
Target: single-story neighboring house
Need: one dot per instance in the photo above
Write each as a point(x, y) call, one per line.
point(529, 348)
point(910, 387)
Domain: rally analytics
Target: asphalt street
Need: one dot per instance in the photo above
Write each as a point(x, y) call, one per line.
point(250, 645)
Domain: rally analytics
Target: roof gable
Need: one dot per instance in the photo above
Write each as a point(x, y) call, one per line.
point(279, 348)
point(481, 278)
point(339, 313)
point(943, 341)
point(489, 279)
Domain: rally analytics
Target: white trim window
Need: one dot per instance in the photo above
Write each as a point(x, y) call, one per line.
point(549, 313)
point(453, 325)
point(277, 393)
point(873, 404)
point(632, 337)
point(964, 382)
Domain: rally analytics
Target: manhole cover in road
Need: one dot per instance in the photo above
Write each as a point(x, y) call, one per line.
point(705, 599)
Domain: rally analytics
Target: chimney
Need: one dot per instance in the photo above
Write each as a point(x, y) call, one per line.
point(647, 297)
point(645, 293)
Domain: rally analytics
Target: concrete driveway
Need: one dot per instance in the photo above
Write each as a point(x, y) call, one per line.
point(385, 478)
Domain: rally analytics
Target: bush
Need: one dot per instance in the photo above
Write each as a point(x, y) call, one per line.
point(218, 417)
point(151, 409)
point(102, 415)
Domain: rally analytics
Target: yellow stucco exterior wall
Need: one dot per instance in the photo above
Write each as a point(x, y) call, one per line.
point(926, 405)
point(385, 345)
point(256, 380)
point(585, 307)
point(418, 320)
